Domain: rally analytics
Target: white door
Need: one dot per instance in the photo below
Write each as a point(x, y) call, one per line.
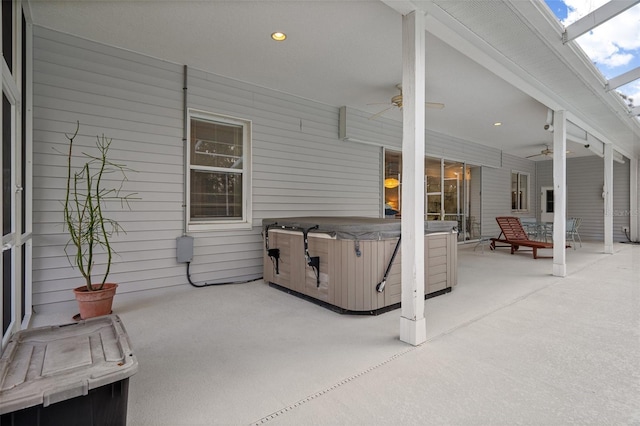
point(546, 204)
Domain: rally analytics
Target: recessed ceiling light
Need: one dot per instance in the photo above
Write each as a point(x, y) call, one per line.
point(278, 36)
point(497, 123)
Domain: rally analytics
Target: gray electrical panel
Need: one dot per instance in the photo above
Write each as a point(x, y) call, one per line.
point(184, 249)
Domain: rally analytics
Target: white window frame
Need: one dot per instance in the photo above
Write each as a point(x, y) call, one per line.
point(21, 104)
point(245, 222)
point(519, 173)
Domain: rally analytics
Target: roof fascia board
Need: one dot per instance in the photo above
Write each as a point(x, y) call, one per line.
point(597, 17)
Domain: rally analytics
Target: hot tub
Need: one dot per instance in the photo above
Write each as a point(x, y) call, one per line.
point(352, 264)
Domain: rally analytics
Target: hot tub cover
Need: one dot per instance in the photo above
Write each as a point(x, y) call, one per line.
point(352, 227)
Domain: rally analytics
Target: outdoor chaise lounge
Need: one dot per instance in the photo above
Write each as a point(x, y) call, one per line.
point(514, 235)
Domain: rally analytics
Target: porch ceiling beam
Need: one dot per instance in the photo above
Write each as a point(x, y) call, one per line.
point(596, 18)
point(623, 79)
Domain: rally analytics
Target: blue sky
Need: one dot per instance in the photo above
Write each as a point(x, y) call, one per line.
point(614, 46)
point(558, 7)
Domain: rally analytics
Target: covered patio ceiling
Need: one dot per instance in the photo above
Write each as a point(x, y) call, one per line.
point(349, 53)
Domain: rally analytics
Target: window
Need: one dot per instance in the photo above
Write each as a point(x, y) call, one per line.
point(452, 192)
point(519, 191)
point(219, 174)
point(392, 183)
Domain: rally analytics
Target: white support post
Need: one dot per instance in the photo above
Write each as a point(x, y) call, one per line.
point(608, 198)
point(412, 320)
point(634, 214)
point(559, 193)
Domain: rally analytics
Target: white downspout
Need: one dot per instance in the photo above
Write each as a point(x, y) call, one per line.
point(185, 144)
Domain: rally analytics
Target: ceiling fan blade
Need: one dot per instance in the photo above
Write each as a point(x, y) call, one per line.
point(534, 155)
point(380, 113)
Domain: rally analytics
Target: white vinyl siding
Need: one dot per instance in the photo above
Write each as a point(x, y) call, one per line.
point(299, 166)
point(496, 192)
point(585, 178)
point(355, 126)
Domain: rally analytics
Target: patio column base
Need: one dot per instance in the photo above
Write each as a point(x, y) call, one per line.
point(413, 332)
point(559, 269)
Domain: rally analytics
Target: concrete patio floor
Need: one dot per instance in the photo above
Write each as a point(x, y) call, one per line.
point(511, 344)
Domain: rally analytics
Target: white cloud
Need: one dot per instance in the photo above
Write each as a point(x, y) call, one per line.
point(612, 44)
point(576, 9)
point(632, 90)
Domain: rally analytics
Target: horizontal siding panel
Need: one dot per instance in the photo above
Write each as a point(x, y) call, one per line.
point(56, 276)
point(64, 78)
point(48, 51)
point(90, 108)
point(58, 162)
point(62, 124)
point(283, 113)
point(273, 145)
point(336, 164)
point(149, 112)
point(107, 125)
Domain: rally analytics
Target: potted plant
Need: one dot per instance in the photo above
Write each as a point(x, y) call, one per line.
point(87, 193)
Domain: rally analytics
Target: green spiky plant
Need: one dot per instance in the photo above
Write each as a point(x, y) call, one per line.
point(89, 230)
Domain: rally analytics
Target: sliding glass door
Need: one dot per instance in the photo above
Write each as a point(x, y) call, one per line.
point(452, 192)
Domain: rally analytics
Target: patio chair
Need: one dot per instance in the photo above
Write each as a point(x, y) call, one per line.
point(573, 223)
point(530, 225)
point(514, 235)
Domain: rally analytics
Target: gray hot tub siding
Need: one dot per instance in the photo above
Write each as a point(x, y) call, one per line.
point(347, 280)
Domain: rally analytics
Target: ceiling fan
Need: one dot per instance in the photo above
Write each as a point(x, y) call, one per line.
point(546, 152)
point(396, 102)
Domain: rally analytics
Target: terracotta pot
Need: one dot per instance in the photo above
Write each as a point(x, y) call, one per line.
point(95, 303)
